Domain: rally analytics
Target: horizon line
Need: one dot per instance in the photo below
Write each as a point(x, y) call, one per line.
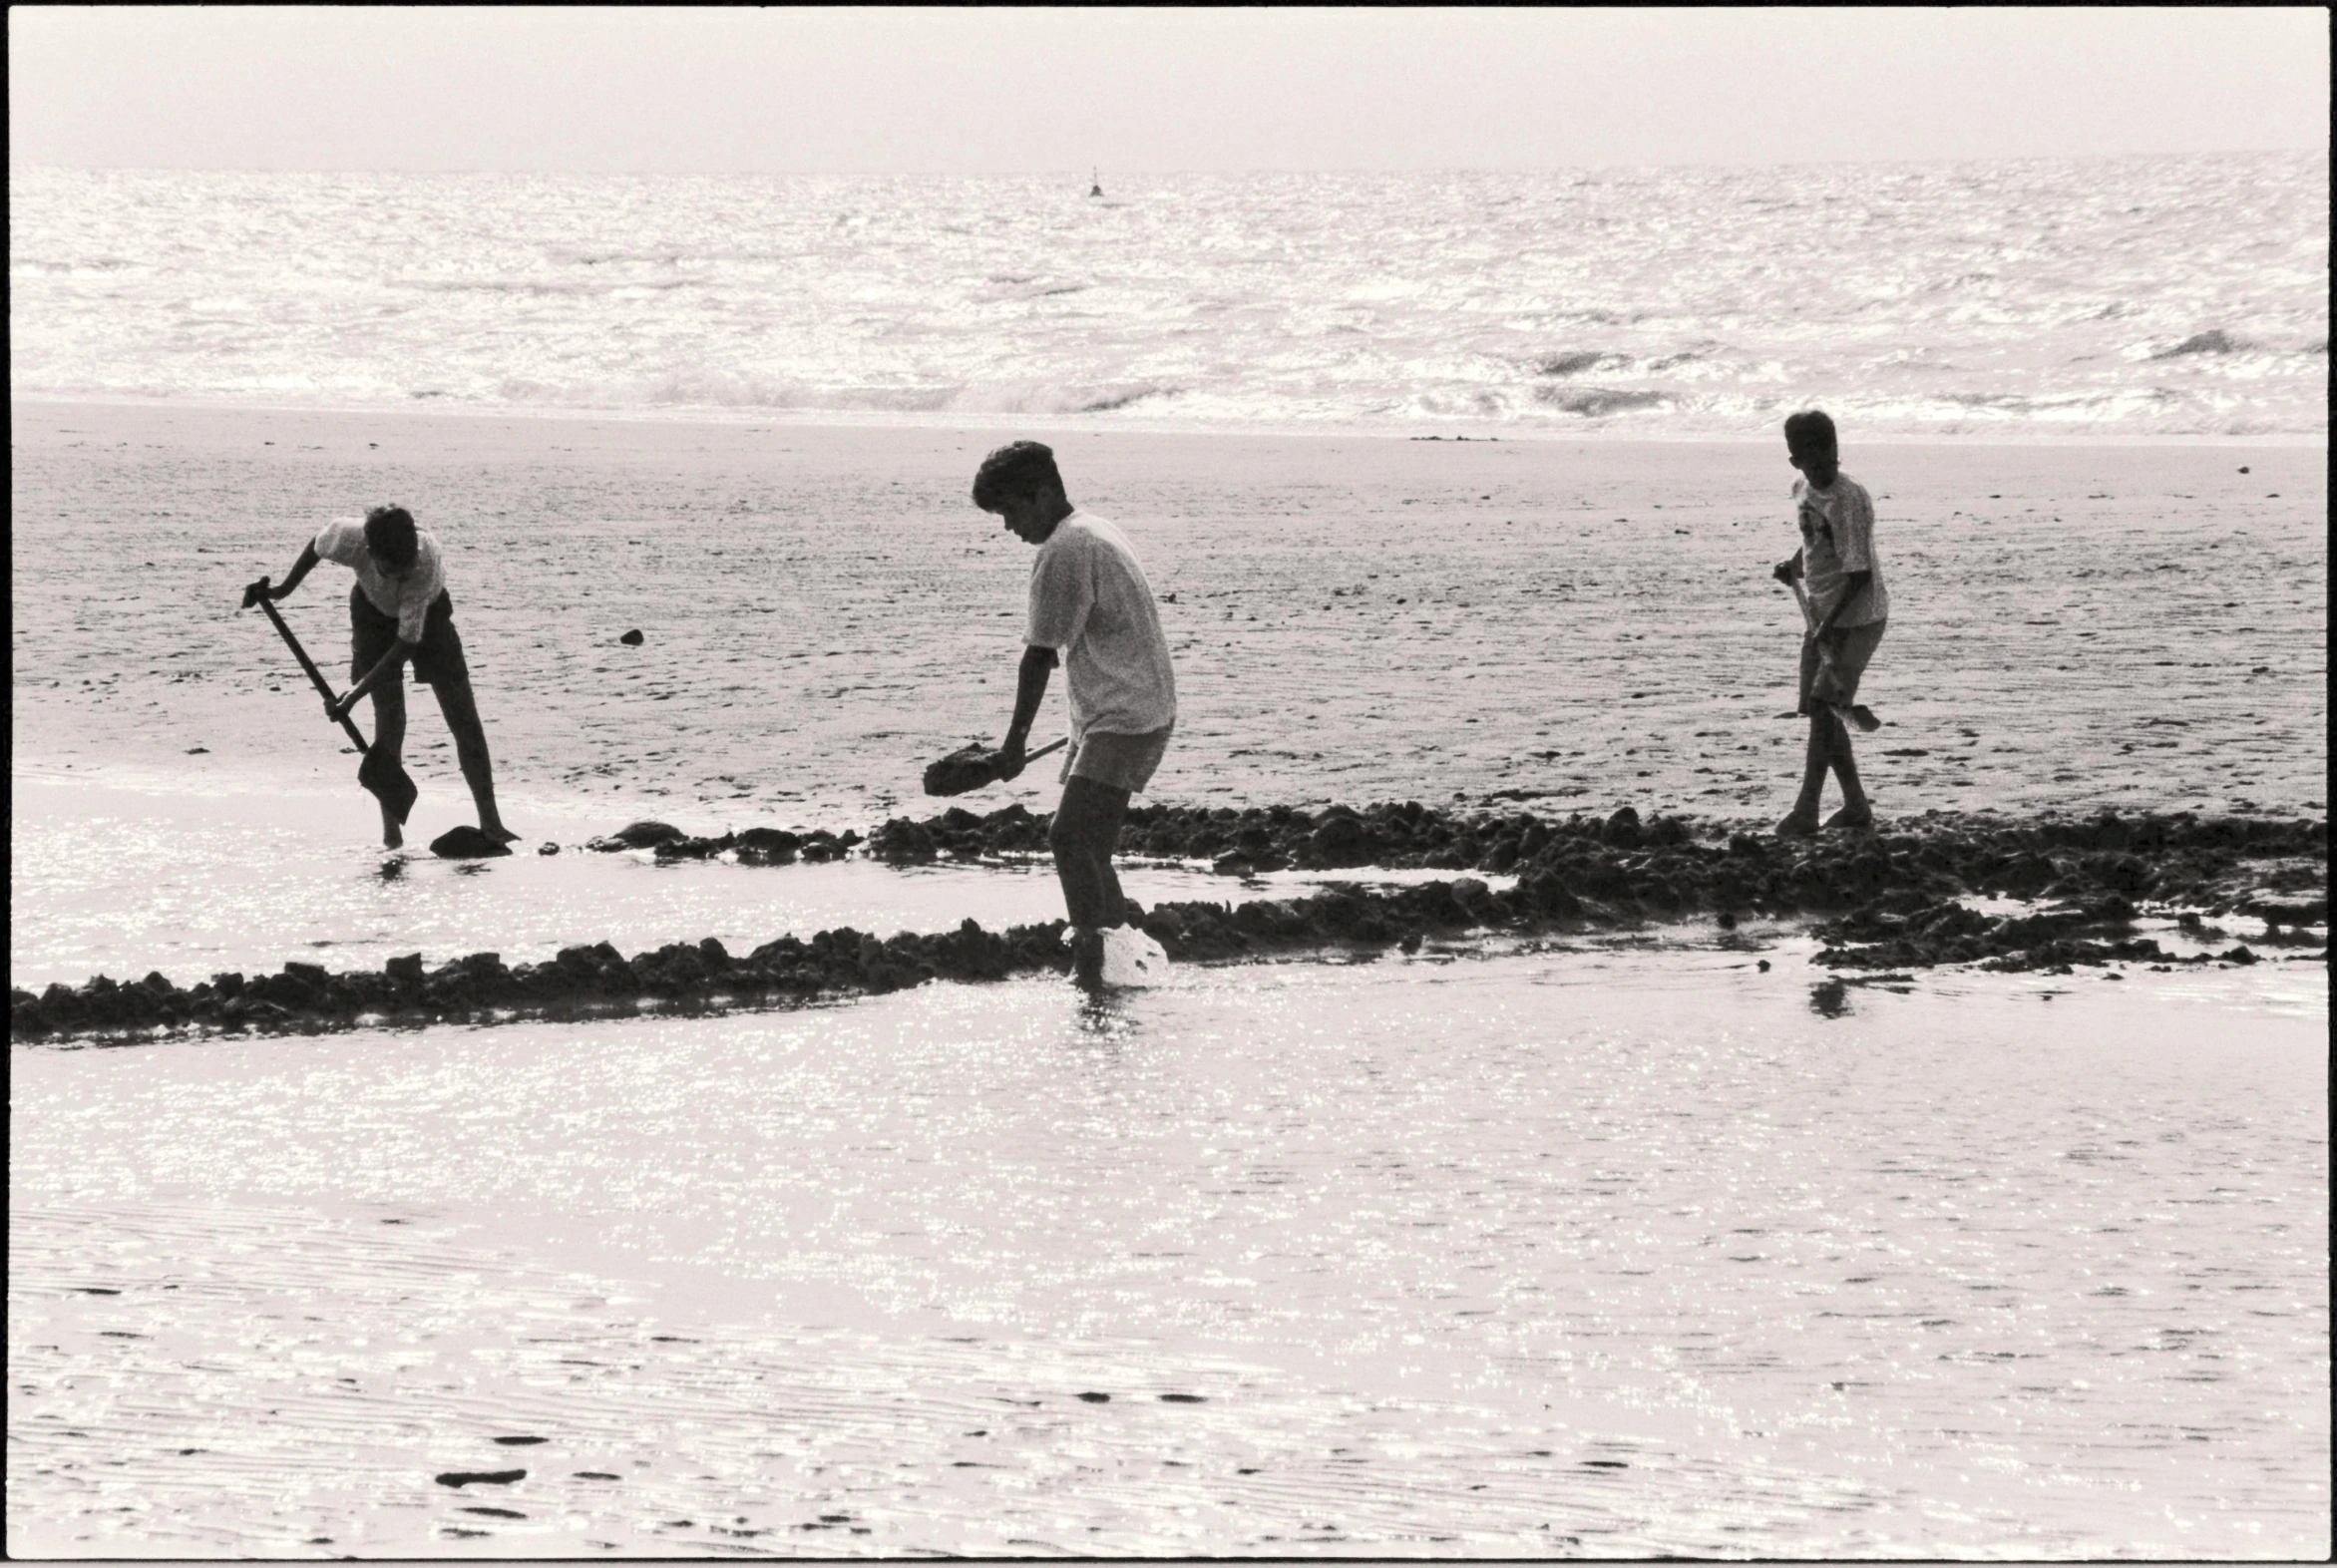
point(15, 165)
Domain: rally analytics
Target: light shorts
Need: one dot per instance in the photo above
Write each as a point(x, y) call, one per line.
point(1849, 647)
point(1123, 761)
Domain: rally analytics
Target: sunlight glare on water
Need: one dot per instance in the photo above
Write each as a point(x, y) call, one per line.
point(109, 877)
point(2035, 296)
point(1577, 1251)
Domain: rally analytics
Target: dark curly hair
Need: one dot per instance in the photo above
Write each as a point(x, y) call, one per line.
point(389, 537)
point(1811, 430)
point(1018, 469)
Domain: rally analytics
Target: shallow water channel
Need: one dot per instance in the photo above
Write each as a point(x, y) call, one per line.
point(1576, 1251)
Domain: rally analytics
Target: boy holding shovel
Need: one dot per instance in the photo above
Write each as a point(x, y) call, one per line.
point(400, 612)
point(1090, 601)
point(1848, 607)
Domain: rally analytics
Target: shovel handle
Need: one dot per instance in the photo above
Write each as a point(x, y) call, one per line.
point(314, 674)
point(1808, 616)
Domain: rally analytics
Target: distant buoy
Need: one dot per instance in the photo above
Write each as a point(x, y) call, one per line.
point(1095, 184)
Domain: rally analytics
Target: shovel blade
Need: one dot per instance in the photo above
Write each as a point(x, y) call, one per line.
point(967, 768)
point(388, 782)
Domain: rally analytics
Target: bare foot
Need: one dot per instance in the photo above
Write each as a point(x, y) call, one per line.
point(499, 833)
point(391, 838)
point(1797, 824)
point(1852, 817)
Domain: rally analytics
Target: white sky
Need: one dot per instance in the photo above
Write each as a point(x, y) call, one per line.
point(986, 89)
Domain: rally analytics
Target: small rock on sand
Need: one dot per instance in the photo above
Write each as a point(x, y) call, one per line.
point(466, 843)
point(639, 835)
point(632, 638)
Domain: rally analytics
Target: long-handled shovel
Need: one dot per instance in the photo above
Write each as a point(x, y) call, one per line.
point(1855, 713)
point(381, 776)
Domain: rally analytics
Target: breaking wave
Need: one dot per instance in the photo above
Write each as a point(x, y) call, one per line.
point(1597, 402)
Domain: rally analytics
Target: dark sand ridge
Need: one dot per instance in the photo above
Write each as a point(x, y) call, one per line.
point(1888, 901)
point(1355, 618)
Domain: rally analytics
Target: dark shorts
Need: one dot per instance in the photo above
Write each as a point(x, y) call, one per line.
point(1844, 655)
point(1123, 761)
point(439, 658)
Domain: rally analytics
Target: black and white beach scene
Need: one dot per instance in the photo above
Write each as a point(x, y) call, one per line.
point(1394, 784)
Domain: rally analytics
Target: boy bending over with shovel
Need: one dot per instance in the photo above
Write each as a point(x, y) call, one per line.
point(1088, 599)
point(400, 611)
point(1846, 606)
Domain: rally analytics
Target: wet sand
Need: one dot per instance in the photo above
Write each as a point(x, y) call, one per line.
point(1623, 1246)
point(1354, 619)
point(1593, 1255)
point(2047, 895)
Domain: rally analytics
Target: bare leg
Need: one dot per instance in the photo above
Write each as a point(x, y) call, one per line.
point(1114, 899)
point(389, 739)
point(1085, 831)
point(462, 721)
point(1825, 729)
point(1855, 811)
point(1801, 821)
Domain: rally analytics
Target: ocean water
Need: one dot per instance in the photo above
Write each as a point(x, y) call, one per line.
point(2129, 296)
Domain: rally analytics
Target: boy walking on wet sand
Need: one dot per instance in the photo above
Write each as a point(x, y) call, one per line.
point(400, 612)
point(1090, 601)
point(1838, 568)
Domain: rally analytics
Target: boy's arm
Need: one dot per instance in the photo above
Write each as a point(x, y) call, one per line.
point(1029, 687)
point(384, 668)
point(1858, 546)
point(300, 569)
point(1062, 592)
point(1853, 583)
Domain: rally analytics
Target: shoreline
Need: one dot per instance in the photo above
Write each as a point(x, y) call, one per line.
point(125, 874)
point(722, 418)
point(2065, 893)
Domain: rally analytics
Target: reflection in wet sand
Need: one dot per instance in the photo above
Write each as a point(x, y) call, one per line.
point(1596, 1253)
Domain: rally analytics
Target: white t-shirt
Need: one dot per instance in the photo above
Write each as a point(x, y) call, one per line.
point(1838, 538)
point(1089, 600)
point(407, 595)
